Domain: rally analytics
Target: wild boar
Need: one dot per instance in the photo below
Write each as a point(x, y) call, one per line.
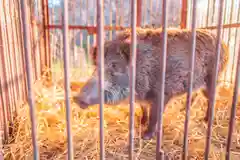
point(148, 69)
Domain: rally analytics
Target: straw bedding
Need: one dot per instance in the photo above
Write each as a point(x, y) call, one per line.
point(52, 137)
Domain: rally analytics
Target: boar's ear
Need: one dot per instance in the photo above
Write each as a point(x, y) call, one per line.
point(126, 48)
point(93, 54)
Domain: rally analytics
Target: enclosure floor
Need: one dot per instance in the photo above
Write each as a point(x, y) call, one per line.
point(52, 139)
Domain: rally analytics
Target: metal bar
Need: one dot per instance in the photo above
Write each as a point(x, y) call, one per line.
point(46, 38)
point(116, 15)
point(163, 70)
point(73, 33)
point(144, 8)
point(28, 63)
point(235, 41)
point(213, 14)
point(7, 63)
point(233, 110)
point(14, 60)
point(224, 31)
point(80, 32)
point(233, 25)
point(93, 29)
point(21, 56)
point(110, 19)
point(2, 81)
point(88, 36)
point(94, 22)
point(229, 30)
point(213, 86)
point(121, 18)
point(139, 13)
point(191, 76)
point(90, 28)
point(132, 76)
point(150, 12)
point(184, 14)
point(208, 10)
point(156, 9)
point(100, 44)
point(66, 79)
point(225, 13)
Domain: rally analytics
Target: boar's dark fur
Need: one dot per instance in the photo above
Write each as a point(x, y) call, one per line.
point(148, 71)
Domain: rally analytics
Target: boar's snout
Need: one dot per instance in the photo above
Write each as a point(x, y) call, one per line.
point(88, 94)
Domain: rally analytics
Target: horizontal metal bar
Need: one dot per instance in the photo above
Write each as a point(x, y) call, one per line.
point(90, 29)
point(93, 29)
point(233, 25)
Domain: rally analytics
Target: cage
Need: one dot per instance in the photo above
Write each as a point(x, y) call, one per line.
point(49, 42)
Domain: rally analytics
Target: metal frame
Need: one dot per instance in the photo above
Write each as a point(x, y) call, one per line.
point(136, 11)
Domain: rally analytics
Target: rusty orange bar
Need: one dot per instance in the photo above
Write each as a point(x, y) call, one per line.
point(139, 13)
point(90, 29)
point(184, 12)
point(46, 33)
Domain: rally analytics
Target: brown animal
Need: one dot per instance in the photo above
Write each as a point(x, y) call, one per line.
point(148, 71)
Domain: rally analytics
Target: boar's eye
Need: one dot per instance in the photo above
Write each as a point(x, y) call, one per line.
point(114, 65)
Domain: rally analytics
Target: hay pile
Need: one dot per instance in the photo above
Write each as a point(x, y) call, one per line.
point(52, 139)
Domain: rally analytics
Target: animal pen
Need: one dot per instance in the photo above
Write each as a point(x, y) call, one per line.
point(44, 49)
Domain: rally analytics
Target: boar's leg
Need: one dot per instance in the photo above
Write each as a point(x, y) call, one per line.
point(152, 126)
point(206, 93)
point(145, 114)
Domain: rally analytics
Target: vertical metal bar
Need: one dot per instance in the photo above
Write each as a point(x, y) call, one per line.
point(191, 76)
point(110, 19)
point(150, 11)
point(2, 81)
point(122, 13)
point(163, 70)
point(94, 22)
point(29, 77)
point(139, 13)
point(213, 86)
point(213, 14)
point(223, 33)
point(117, 10)
point(15, 70)
point(156, 10)
point(100, 44)
point(236, 34)
point(7, 62)
point(80, 32)
point(208, 10)
point(66, 79)
point(88, 36)
point(184, 14)
point(132, 76)
point(73, 33)
point(21, 57)
point(144, 8)
point(233, 110)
